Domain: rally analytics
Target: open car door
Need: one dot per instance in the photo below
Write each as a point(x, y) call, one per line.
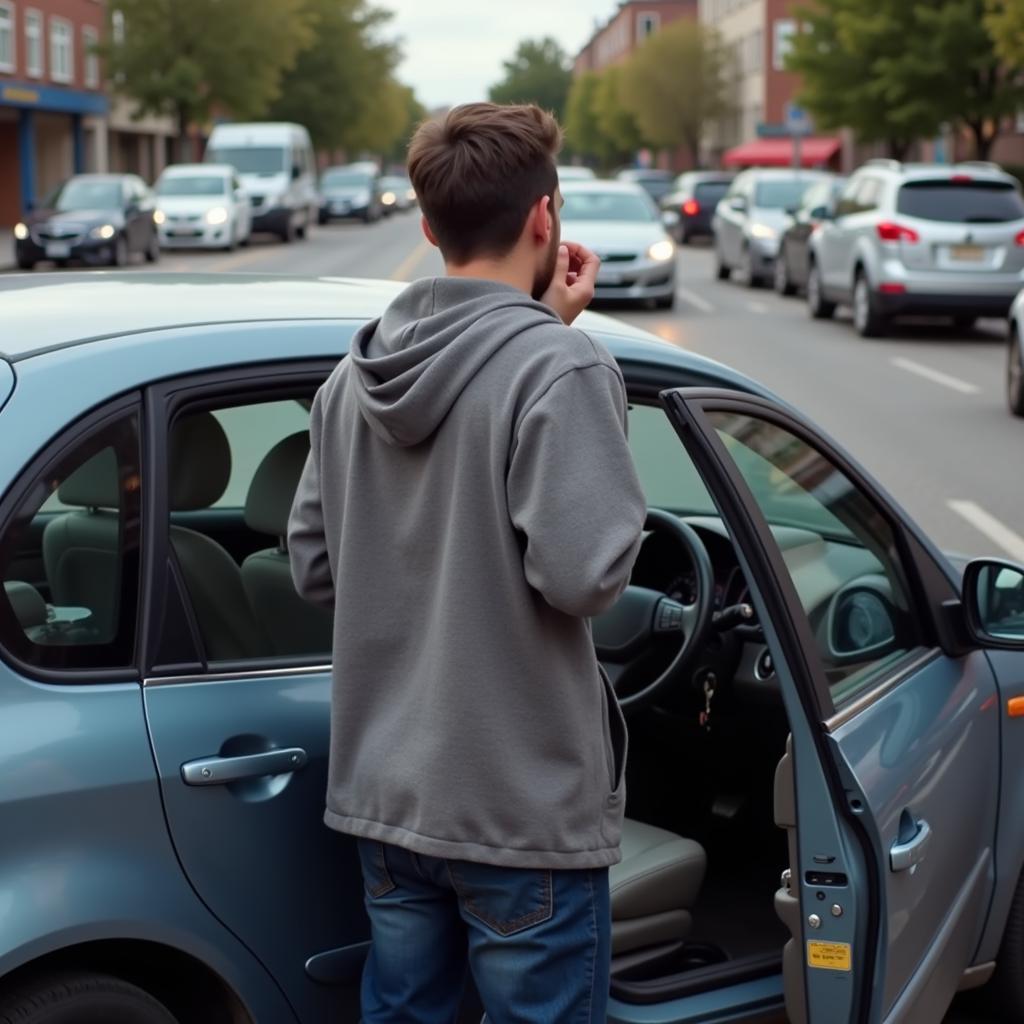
point(890, 786)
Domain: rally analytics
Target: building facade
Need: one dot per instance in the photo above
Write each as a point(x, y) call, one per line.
point(613, 41)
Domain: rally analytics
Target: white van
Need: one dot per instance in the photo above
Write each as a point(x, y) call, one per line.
point(275, 165)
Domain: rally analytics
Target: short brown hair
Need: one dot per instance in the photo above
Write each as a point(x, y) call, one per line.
point(478, 171)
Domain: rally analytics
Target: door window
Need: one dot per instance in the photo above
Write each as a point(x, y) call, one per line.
point(839, 549)
point(69, 555)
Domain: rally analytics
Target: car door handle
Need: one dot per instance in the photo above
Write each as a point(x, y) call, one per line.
point(906, 855)
point(216, 771)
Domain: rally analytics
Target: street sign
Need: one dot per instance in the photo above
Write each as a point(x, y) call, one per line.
point(797, 120)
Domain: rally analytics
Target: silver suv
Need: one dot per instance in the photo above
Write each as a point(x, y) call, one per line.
point(920, 238)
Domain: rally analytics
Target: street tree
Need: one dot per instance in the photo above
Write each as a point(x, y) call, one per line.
point(1004, 20)
point(677, 83)
point(538, 73)
point(342, 80)
point(195, 58)
point(616, 121)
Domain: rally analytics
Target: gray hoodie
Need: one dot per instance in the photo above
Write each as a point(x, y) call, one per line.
point(469, 499)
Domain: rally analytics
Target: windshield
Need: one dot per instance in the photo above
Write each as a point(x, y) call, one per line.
point(709, 192)
point(621, 206)
point(192, 185)
point(780, 194)
point(345, 179)
point(395, 183)
point(978, 202)
point(250, 159)
point(86, 194)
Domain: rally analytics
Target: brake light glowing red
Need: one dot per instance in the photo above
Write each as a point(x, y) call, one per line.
point(890, 232)
point(1019, 238)
point(691, 207)
point(892, 288)
point(960, 179)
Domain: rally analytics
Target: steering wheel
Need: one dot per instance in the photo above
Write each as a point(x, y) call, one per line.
point(623, 634)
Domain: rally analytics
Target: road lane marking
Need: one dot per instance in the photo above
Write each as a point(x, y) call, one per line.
point(402, 271)
point(695, 300)
point(757, 307)
point(984, 522)
point(936, 376)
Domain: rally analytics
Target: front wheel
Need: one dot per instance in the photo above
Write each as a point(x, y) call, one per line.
point(119, 255)
point(1015, 375)
point(817, 305)
point(26, 264)
point(964, 322)
point(783, 285)
point(867, 320)
point(82, 998)
point(753, 280)
point(1005, 991)
point(666, 301)
point(153, 249)
point(722, 269)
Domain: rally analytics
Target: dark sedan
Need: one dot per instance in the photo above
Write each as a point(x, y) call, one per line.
point(99, 219)
point(693, 198)
point(654, 182)
point(792, 264)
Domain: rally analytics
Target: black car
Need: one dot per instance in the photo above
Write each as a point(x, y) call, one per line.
point(353, 190)
point(654, 182)
point(792, 263)
point(100, 219)
point(693, 198)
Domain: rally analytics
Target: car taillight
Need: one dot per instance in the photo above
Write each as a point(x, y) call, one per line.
point(1019, 238)
point(890, 232)
point(691, 207)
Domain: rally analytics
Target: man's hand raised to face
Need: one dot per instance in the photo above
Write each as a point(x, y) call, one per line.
point(572, 286)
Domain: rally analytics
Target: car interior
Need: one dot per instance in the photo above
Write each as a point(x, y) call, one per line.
point(693, 897)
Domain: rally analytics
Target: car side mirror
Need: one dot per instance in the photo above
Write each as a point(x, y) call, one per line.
point(823, 213)
point(670, 218)
point(739, 204)
point(993, 600)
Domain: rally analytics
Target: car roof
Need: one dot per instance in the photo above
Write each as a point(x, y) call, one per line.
point(785, 172)
point(174, 170)
point(644, 174)
point(629, 188)
point(982, 170)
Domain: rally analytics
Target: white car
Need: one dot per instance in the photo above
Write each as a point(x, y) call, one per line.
point(619, 221)
point(202, 206)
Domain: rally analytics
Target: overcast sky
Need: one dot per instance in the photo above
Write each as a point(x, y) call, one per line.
point(454, 48)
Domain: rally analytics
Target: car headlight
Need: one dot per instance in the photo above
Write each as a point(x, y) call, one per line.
point(762, 231)
point(216, 215)
point(159, 217)
point(21, 231)
point(103, 231)
point(661, 251)
point(388, 198)
point(410, 194)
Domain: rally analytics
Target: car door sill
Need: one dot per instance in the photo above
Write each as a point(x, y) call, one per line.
point(697, 980)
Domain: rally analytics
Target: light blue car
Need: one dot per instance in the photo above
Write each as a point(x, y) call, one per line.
point(825, 816)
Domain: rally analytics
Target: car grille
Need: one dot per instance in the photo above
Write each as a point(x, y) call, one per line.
point(619, 257)
point(70, 233)
point(182, 218)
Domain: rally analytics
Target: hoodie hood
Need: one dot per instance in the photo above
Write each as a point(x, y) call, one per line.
point(413, 363)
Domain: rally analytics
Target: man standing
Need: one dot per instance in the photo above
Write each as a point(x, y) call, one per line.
point(469, 500)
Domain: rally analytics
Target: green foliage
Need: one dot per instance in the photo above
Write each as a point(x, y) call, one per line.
point(537, 73)
point(617, 122)
point(1004, 20)
point(895, 71)
point(193, 57)
point(676, 83)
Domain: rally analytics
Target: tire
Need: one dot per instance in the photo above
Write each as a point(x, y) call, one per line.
point(303, 230)
point(121, 254)
point(232, 240)
point(781, 278)
point(665, 302)
point(751, 279)
point(964, 322)
point(287, 233)
point(1005, 990)
point(1015, 375)
point(75, 997)
point(26, 264)
point(153, 249)
point(722, 270)
point(817, 305)
point(867, 321)
point(322, 218)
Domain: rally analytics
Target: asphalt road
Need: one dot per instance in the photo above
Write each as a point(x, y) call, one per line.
point(923, 409)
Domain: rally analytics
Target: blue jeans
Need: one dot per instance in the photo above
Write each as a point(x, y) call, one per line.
point(537, 942)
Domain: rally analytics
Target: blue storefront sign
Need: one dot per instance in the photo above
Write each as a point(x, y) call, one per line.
point(29, 97)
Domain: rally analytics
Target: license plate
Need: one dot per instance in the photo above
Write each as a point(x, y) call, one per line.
point(182, 231)
point(610, 280)
point(340, 208)
point(58, 250)
point(967, 253)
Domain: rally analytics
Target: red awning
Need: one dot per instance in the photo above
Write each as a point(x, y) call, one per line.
point(779, 152)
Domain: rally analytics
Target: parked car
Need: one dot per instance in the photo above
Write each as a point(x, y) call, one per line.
point(99, 219)
point(749, 220)
point(203, 206)
point(792, 261)
point(575, 172)
point(654, 182)
point(347, 192)
point(694, 197)
point(276, 167)
point(795, 642)
point(1015, 357)
point(398, 193)
point(619, 222)
point(935, 239)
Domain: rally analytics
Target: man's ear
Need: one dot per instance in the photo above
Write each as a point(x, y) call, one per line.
point(542, 223)
point(427, 231)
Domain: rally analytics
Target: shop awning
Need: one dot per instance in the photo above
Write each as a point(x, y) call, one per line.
point(814, 151)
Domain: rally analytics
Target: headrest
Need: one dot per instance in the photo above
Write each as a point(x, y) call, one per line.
point(200, 462)
point(95, 484)
point(273, 485)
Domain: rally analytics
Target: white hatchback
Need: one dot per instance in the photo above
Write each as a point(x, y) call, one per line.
point(202, 206)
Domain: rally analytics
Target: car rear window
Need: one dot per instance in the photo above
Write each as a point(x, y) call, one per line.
point(975, 202)
point(710, 191)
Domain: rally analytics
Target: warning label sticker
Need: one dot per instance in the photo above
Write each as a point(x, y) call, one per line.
point(832, 956)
